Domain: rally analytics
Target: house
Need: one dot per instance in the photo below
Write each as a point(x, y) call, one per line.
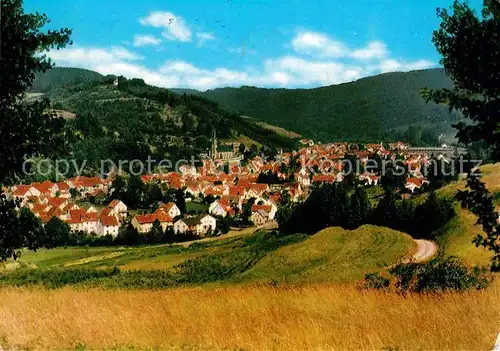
point(323, 178)
point(221, 208)
point(270, 208)
point(368, 178)
point(119, 208)
point(259, 217)
point(208, 223)
point(164, 218)
point(109, 225)
point(256, 190)
point(46, 187)
point(24, 191)
point(143, 223)
point(79, 220)
point(196, 225)
point(415, 183)
point(58, 202)
point(171, 208)
point(303, 177)
point(235, 202)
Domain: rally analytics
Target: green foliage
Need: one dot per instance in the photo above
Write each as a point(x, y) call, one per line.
point(25, 129)
point(438, 275)
point(55, 278)
point(210, 267)
point(375, 281)
point(365, 110)
point(469, 47)
point(332, 205)
point(18, 230)
point(50, 80)
point(58, 231)
point(135, 120)
point(421, 221)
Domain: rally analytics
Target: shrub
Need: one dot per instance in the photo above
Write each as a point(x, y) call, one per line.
point(375, 281)
point(55, 278)
point(440, 274)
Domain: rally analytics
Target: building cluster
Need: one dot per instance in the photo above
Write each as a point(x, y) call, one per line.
point(232, 188)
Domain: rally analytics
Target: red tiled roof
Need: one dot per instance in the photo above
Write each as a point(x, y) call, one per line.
point(63, 186)
point(109, 221)
point(39, 208)
point(323, 178)
point(114, 203)
point(147, 218)
point(57, 201)
point(417, 181)
point(236, 191)
point(266, 208)
point(22, 190)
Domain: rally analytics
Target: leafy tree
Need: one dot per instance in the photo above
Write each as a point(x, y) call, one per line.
point(180, 200)
point(241, 148)
point(135, 191)
point(21, 45)
point(469, 47)
point(156, 234)
point(386, 212)
point(58, 231)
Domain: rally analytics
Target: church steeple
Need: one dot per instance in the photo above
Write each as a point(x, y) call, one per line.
point(214, 145)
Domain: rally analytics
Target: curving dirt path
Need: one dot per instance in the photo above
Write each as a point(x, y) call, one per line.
point(425, 250)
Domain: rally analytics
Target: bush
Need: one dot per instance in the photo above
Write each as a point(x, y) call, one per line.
point(375, 281)
point(54, 278)
point(440, 274)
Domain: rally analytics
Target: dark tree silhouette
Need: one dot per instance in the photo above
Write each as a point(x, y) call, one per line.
point(25, 129)
point(470, 46)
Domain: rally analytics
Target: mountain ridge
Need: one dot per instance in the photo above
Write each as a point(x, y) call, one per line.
point(366, 109)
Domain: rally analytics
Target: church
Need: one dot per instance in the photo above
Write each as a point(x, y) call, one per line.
point(221, 152)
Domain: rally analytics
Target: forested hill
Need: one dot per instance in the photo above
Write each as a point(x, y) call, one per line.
point(134, 120)
point(59, 77)
point(367, 109)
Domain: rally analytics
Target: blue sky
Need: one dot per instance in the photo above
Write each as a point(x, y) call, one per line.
point(208, 44)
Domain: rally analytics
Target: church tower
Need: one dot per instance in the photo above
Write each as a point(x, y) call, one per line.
point(213, 153)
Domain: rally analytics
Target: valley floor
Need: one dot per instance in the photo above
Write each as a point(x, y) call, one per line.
point(252, 317)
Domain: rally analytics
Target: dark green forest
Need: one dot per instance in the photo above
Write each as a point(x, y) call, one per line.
point(134, 120)
point(370, 109)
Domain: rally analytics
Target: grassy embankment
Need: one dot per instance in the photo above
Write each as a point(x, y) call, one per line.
point(456, 237)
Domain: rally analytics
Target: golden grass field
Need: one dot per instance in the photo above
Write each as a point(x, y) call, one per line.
point(247, 318)
point(315, 304)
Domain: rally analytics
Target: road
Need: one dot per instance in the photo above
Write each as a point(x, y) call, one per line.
point(425, 250)
point(232, 233)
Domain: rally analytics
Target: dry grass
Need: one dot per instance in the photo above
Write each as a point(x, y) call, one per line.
point(252, 317)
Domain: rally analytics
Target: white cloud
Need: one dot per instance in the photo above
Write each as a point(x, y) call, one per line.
point(143, 40)
point(392, 65)
point(89, 57)
point(242, 51)
point(374, 50)
point(205, 36)
point(282, 71)
point(318, 44)
point(175, 28)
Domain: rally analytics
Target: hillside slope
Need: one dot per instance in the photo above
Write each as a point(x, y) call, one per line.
point(333, 255)
point(62, 76)
point(134, 120)
point(367, 109)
